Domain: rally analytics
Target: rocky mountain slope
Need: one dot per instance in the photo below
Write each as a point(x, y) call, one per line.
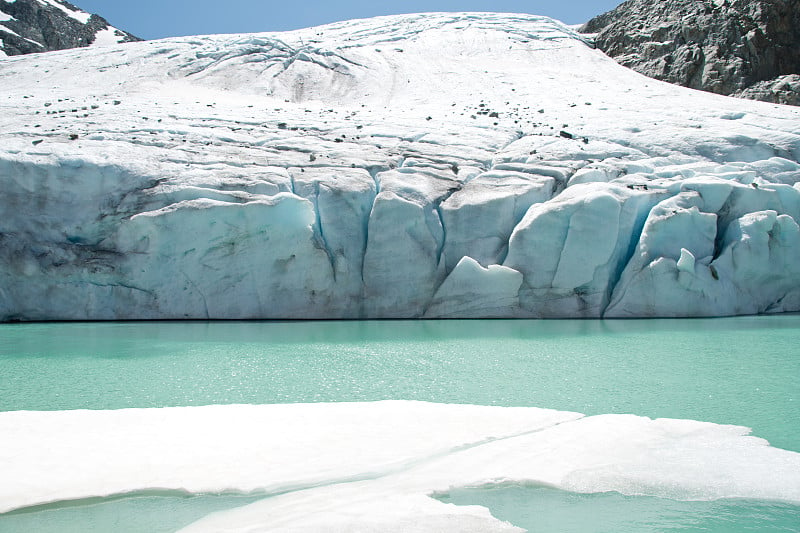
point(745, 48)
point(30, 26)
point(434, 165)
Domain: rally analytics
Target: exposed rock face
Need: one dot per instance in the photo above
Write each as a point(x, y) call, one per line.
point(781, 90)
point(745, 48)
point(30, 26)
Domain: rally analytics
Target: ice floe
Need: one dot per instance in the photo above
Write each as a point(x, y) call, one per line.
point(375, 466)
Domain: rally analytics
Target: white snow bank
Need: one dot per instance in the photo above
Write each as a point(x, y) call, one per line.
point(107, 37)
point(372, 465)
point(212, 449)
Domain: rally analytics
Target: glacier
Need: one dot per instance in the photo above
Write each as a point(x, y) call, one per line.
point(417, 166)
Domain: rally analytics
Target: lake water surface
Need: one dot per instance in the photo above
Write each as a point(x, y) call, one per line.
point(741, 371)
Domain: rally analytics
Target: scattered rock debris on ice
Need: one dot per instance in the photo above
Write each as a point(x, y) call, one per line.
point(379, 463)
point(434, 165)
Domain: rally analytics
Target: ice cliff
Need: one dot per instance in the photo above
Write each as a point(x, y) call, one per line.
point(434, 165)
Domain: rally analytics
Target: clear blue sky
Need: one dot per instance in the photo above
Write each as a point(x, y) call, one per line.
point(154, 19)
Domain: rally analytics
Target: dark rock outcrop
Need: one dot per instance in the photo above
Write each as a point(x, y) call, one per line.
point(745, 48)
point(30, 26)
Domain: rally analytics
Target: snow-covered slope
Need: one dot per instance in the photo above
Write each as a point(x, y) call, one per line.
point(434, 165)
point(31, 26)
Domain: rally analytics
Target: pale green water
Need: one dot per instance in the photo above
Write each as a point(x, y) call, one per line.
point(740, 371)
point(136, 514)
point(549, 510)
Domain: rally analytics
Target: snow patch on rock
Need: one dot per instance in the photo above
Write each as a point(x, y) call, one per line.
point(77, 14)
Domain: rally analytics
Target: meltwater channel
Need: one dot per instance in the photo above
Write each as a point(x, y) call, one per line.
point(743, 371)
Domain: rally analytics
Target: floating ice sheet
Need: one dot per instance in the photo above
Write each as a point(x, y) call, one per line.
point(374, 466)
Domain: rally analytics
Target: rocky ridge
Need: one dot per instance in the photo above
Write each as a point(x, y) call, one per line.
point(744, 48)
point(31, 26)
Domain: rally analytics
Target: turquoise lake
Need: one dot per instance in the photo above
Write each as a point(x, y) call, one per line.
point(743, 371)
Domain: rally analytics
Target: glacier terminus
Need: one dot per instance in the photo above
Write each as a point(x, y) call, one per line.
point(412, 166)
